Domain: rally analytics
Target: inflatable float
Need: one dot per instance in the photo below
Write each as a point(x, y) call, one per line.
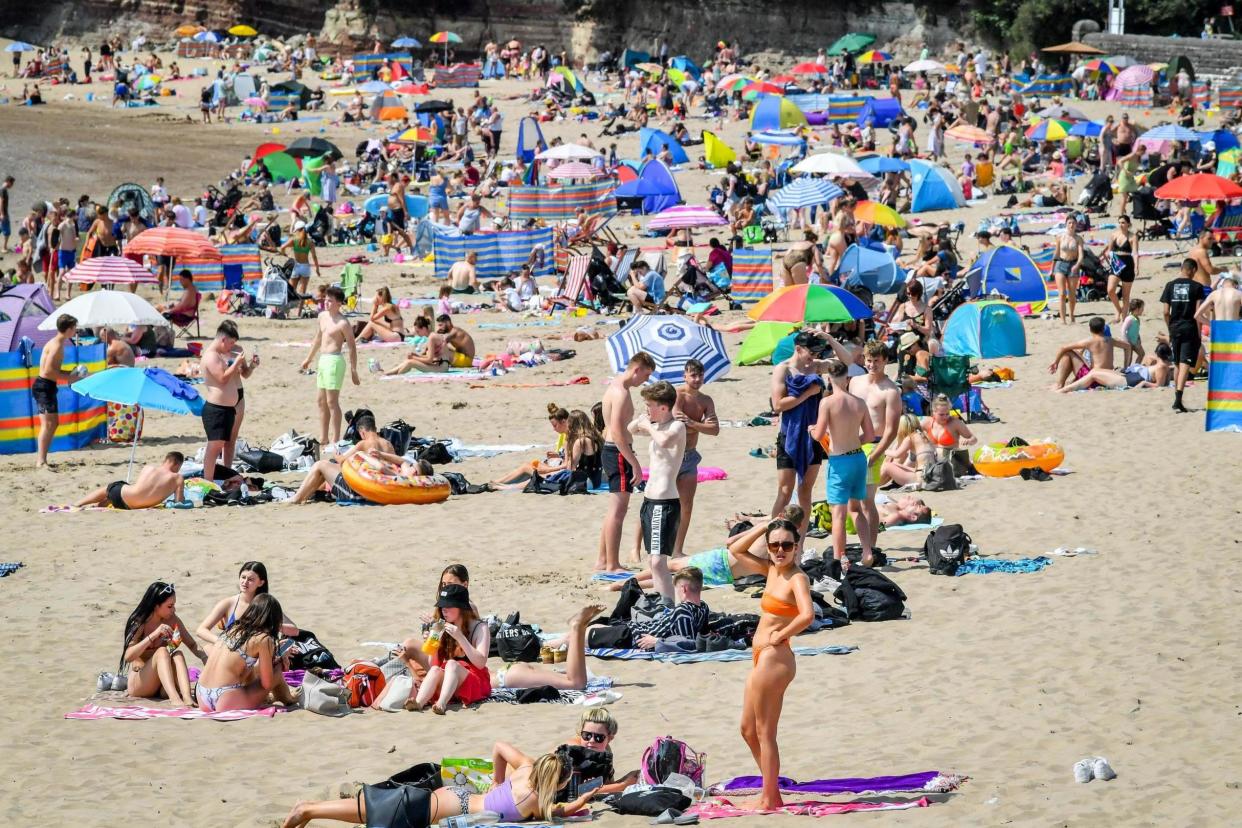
point(382, 483)
point(1000, 460)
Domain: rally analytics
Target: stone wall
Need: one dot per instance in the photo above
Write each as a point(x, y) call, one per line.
point(1215, 57)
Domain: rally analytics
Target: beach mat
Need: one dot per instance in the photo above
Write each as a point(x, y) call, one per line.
point(923, 781)
point(695, 658)
point(95, 711)
point(987, 566)
point(723, 808)
point(916, 527)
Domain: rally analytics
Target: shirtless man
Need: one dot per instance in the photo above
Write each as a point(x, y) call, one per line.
point(455, 347)
point(395, 216)
point(119, 351)
point(1223, 304)
point(661, 511)
point(697, 412)
point(845, 419)
point(44, 388)
point(221, 369)
point(883, 399)
point(333, 334)
point(464, 275)
point(153, 486)
point(326, 473)
point(1100, 348)
point(617, 457)
point(1201, 253)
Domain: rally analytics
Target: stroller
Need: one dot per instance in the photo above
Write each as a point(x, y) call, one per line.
point(361, 231)
point(1097, 194)
point(1092, 278)
point(1156, 225)
point(320, 228)
point(276, 293)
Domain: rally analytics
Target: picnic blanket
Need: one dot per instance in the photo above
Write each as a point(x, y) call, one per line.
point(95, 711)
point(928, 781)
point(499, 253)
point(915, 527)
point(984, 566)
point(722, 808)
point(723, 655)
point(7, 569)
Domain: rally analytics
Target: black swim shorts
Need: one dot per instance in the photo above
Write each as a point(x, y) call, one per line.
point(620, 472)
point(218, 421)
point(784, 461)
point(44, 392)
point(1185, 340)
point(660, 519)
point(114, 495)
point(396, 218)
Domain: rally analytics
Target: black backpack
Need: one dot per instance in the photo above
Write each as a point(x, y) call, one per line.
point(870, 595)
point(308, 653)
point(946, 548)
point(516, 641)
point(398, 432)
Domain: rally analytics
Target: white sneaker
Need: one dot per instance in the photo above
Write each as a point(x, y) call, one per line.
point(1083, 770)
point(1102, 770)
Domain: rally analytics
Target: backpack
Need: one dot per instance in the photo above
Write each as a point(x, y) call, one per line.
point(308, 653)
point(938, 476)
point(946, 548)
point(365, 682)
point(351, 431)
point(869, 595)
point(435, 453)
point(516, 641)
point(398, 432)
point(667, 756)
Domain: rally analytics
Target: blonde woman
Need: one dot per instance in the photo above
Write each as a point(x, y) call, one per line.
point(904, 461)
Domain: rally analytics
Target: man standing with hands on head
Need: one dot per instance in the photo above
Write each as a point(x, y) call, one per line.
point(45, 387)
point(221, 368)
point(847, 422)
point(883, 399)
point(333, 334)
point(661, 512)
point(697, 412)
point(617, 457)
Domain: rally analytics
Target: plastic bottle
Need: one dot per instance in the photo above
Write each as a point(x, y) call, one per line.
point(432, 642)
point(467, 820)
point(373, 365)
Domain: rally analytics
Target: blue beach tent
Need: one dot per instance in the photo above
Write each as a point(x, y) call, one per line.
point(934, 188)
point(1010, 272)
point(656, 140)
point(985, 330)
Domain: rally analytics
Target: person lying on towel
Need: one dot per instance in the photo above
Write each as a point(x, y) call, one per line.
point(153, 486)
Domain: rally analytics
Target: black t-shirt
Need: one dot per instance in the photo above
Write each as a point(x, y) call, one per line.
point(1183, 296)
point(1186, 117)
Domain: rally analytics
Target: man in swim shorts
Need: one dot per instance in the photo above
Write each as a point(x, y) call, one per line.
point(697, 412)
point(44, 389)
point(661, 510)
point(457, 346)
point(394, 216)
point(333, 334)
point(847, 422)
point(617, 457)
point(221, 369)
point(326, 473)
point(153, 486)
point(883, 399)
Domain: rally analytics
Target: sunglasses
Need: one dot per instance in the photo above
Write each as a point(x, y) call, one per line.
point(783, 546)
point(167, 590)
point(597, 738)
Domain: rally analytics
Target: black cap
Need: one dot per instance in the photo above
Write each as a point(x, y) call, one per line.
point(809, 340)
point(454, 596)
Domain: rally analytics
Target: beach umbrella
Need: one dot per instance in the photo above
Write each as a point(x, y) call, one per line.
point(852, 42)
point(446, 38)
point(967, 134)
point(101, 308)
point(809, 303)
point(1199, 187)
point(762, 340)
point(255, 103)
point(150, 388)
point(1222, 138)
point(832, 164)
point(784, 80)
point(313, 147)
point(881, 164)
point(147, 82)
point(188, 30)
point(754, 89)
point(1101, 66)
point(281, 165)
point(931, 67)
point(415, 135)
point(206, 37)
point(574, 169)
point(1139, 75)
point(880, 215)
point(679, 77)
point(809, 68)
point(265, 149)
point(733, 82)
point(19, 46)
point(686, 217)
point(110, 270)
point(428, 107)
point(406, 43)
point(242, 30)
point(1062, 113)
point(175, 242)
point(567, 152)
point(804, 192)
point(1087, 129)
point(875, 56)
point(1049, 129)
point(1073, 48)
point(780, 137)
point(1169, 132)
point(671, 341)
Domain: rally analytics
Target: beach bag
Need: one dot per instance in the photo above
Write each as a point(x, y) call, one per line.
point(938, 476)
point(425, 775)
point(650, 802)
point(516, 641)
point(436, 453)
point(365, 682)
point(398, 432)
point(590, 769)
point(323, 697)
point(308, 654)
point(262, 461)
point(946, 548)
point(614, 636)
point(351, 430)
point(667, 756)
point(869, 595)
point(395, 693)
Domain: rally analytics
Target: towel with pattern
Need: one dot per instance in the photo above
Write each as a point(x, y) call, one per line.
point(94, 711)
point(926, 781)
point(722, 808)
point(983, 566)
point(723, 655)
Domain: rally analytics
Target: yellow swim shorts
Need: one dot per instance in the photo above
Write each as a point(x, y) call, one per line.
point(873, 472)
point(460, 360)
point(330, 372)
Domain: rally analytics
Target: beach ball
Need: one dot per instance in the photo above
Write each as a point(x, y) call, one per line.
point(275, 130)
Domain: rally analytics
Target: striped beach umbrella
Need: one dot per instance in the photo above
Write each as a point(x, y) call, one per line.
point(804, 192)
point(754, 89)
point(1101, 66)
point(875, 56)
point(780, 137)
point(1049, 129)
point(110, 270)
point(809, 303)
point(1169, 132)
point(1087, 129)
point(671, 341)
point(173, 241)
point(734, 82)
point(574, 169)
point(685, 217)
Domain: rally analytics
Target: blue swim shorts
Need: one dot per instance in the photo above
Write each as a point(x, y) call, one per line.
point(847, 477)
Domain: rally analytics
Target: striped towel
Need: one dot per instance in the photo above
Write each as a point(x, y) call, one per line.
point(595, 684)
point(694, 658)
point(94, 711)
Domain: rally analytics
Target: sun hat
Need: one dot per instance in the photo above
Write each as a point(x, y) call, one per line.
point(454, 596)
point(907, 339)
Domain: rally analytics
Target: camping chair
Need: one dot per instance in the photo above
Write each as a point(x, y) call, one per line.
point(351, 280)
point(576, 288)
point(1186, 236)
point(234, 298)
point(180, 329)
point(950, 375)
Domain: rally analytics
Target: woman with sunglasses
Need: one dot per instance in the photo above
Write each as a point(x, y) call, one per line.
point(593, 769)
point(153, 636)
point(786, 611)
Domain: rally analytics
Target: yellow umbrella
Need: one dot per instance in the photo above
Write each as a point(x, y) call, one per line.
point(242, 31)
point(881, 215)
point(188, 30)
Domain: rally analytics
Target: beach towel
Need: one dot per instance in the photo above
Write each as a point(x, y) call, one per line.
point(95, 711)
point(7, 569)
point(612, 576)
point(927, 781)
point(706, 474)
point(451, 375)
point(68, 508)
point(595, 685)
point(984, 566)
point(722, 808)
point(548, 384)
point(293, 678)
point(915, 527)
point(723, 655)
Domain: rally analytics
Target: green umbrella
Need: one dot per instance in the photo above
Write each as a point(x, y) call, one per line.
point(282, 166)
point(852, 42)
point(762, 340)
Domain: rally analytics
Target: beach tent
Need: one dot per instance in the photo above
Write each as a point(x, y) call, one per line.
point(845, 109)
point(934, 188)
point(1011, 272)
point(1224, 395)
point(716, 153)
point(775, 112)
point(881, 111)
point(22, 308)
point(852, 43)
point(387, 107)
point(530, 140)
point(563, 75)
point(83, 421)
point(985, 330)
point(244, 86)
point(686, 65)
point(875, 269)
point(656, 140)
point(1179, 64)
point(655, 184)
point(281, 95)
point(632, 57)
point(134, 195)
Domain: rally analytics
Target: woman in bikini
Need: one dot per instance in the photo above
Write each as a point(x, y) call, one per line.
point(913, 313)
point(151, 648)
point(525, 789)
point(905, 460)
point(251, 582)
point(786, 611)
point(1066, 265)
point(302, 247)
point(946, 433)
point(386, 323)
point(243, 670)
point(799, 259)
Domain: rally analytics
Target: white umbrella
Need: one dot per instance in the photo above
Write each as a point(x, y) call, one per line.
point(832, 164)
point(566, 152)
point(926, 65)
point(107, 307)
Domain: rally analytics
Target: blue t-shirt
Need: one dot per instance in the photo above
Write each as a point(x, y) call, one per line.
point(654, 285)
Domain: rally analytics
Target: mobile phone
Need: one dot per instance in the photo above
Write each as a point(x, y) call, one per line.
point(284, 647)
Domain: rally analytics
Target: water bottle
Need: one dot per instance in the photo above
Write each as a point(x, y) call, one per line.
point(432, 642)
point(373, 365)
point(467, 820)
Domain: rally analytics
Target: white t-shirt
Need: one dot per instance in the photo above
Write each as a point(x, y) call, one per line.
point(158, 194)
point(200, 215)
point(181, 217)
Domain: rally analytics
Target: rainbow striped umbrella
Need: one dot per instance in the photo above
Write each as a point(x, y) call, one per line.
point(1101, 66)
point(685, 217)
point(732, 83)
point(110, 270)
point(809, 303)
point(875, 56)
point(445, 37)
point(1049, 129)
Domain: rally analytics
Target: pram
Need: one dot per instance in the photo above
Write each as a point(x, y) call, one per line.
point(361, 231)
point(1092, 278)
point(1098, 193)
point(276, 292)
point(320, 228)
point(1156, 225)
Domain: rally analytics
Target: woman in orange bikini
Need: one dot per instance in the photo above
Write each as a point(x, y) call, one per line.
point(946, 433)
point(787, 611)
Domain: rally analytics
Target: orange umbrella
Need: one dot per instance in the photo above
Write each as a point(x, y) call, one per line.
point(969, 135)
point(173, 241)
point(881, 215)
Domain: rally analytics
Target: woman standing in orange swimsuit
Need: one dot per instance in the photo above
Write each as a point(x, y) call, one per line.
point(787, 611)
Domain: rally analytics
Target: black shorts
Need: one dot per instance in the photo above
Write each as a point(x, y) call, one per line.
point(404, 806)
point(218, 421)
point(114, 495)
point(1121, 150)
point(784, 461)
point(44, 392)
point(620, 472)
point(396, 218)
point(343, 492)
point(660, 519)
point(1186, 342)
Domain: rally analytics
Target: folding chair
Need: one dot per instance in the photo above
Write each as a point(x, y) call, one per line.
point(351, 280)
point(950, 375)
point(576, 288)
point(622, 273)
point(235, 288)
point(180, 329)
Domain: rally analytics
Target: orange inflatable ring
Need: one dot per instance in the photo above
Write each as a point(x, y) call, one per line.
point(382, 483)
point(1000, 460)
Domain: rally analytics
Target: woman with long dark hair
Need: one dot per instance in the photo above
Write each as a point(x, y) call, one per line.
point(457, 668)
point(151, 648)
point(242, 671)
point(251, 582)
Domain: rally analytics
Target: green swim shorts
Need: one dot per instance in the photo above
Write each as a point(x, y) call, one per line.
point(330, 374)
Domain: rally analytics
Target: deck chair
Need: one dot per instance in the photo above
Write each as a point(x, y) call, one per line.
point(654, 260)
point(1186, 236)
point(576, 289)
point(950, 375)
point(234, 289)
point(622, 273)
point(180, 329)
point(351, 280)
point(583, 233)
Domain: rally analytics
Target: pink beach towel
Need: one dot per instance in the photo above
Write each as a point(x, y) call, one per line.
point(706, 474)
point(94, 711)
point(722, 808)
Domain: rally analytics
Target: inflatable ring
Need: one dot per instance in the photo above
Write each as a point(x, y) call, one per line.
point(1000, 460)
point(381, 483)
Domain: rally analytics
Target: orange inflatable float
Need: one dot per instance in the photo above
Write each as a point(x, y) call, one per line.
point(1000, 460)
point(383, 483)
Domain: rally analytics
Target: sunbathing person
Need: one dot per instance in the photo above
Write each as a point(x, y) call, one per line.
point(1153, 372)
point(525, 789)
point(385, 323)
point(251, 582)
point(552, 462)
point(944, 432)
point(326, 473)
point(687, 619)
point(523, 676)
point(151, 658)
point(905, 460)
point(243, 672)
point(1088, 358)
point(457, 668)
point(153, 486)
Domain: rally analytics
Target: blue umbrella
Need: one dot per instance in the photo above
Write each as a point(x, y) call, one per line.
point(671, 341)
point(804, 192)
point(19, 46)
point(406, 43)
point(148, 387)
point(1087, 129)
point(1170, 132)
point(880, 164)
point(207, 37)
point(1222, 138)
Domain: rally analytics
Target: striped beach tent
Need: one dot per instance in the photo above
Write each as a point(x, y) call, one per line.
point(1048, 85)
point(457, 76)
point(752, 274)
point(209, 276)
point(561, 203)
point(82, 420)
point(499, 253)
point(1230, 97)
point(366, 64)
point(842, 110)
point(810, 102)
point(1224, 396)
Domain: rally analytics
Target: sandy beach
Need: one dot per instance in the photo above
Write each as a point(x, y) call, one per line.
point(1128, 653)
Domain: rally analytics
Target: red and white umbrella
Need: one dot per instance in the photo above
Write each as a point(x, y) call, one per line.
point(110, 270)
point(685, 217)
point(256, 102)
point(575, 169)
point(175, 242)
